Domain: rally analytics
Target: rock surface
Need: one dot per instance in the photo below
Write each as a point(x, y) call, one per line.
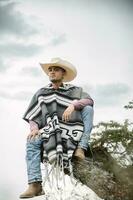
point(105, 176)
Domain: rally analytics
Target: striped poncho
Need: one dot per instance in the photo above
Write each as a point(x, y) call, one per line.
point(46, 108)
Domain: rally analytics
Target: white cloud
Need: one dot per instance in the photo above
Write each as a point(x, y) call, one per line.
point(12, 21)
point(111, 94)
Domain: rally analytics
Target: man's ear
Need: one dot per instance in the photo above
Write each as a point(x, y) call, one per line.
point(64, 72)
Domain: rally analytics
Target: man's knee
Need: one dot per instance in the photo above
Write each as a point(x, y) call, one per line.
point(87, 117)
point(87, 110)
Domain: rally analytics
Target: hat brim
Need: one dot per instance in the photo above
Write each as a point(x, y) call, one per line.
point(70, 74)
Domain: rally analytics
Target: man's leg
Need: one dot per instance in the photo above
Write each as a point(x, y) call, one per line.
point(33, 160)
point(87, 117)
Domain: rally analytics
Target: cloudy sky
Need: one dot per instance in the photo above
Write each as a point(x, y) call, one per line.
point(95, 35)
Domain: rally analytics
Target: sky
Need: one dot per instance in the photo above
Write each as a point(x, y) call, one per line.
point(94, 35)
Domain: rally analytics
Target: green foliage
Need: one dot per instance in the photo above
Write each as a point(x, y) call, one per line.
point(130, 105)
point(116, 137)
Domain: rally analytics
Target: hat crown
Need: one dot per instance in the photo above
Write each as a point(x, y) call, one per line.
point(53, 60)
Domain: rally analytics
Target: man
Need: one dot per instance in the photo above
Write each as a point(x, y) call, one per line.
point(61, 118)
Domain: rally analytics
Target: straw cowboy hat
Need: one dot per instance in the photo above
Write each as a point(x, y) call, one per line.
point(71, 71)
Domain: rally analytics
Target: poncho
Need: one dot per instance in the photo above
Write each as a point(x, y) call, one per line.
point(46, 108)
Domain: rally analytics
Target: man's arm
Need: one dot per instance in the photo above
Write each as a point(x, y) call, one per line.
point(33, 126)
point(76, 105)
point(80, 104)
point(34, 130)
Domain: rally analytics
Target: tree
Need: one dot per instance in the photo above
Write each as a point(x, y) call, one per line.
point(112, 162)
point(130, 105)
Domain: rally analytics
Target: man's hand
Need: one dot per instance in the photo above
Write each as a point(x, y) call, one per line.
point(67, 113)
point(33, 134)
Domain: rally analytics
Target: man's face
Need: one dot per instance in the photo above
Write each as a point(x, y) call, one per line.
point(56, 74)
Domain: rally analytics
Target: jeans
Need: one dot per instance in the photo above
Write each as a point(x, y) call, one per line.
point(33, 147)
point(87, 116)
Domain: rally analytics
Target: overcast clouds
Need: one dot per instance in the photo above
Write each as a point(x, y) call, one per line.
point(94, 35)
point(12, 22)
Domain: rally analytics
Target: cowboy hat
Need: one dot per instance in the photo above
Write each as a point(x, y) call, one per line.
point(71, 71)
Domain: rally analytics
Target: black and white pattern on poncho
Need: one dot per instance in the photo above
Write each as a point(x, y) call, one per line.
point(46, 108)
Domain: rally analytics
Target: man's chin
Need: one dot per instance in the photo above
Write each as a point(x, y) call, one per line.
point(55, 81)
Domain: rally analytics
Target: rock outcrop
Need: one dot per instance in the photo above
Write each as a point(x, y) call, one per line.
point(103, 174)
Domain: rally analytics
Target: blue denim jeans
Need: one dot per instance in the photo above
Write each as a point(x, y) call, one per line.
point(33, 147)
point(33, 159)
point(87, 114)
